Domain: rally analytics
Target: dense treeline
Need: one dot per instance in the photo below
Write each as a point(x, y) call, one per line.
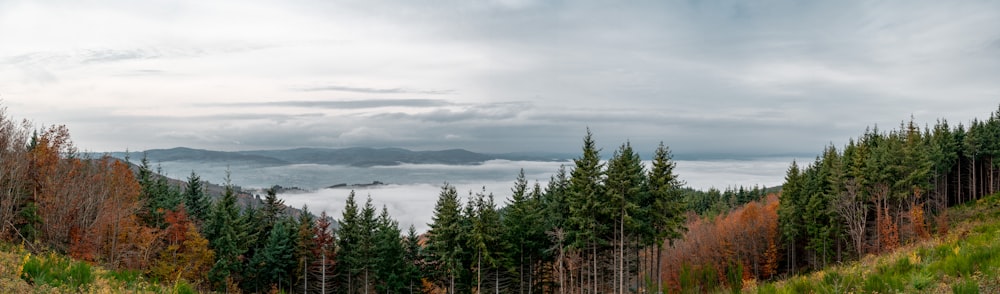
point(594, 229)
point(612, 226)
point(880, 191)
point(885, 189)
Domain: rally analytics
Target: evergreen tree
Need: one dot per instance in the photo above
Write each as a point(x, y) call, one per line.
point(305, 245)
point(157, 194)
point(584, 225)
point(413, 261)
point(444, 237)
point(390, 265)
point(625, 188)
point(195, 200)
point(521, 220)
point(484, 239)
point(273, 264)
point(349, 236)
point(666, 214)
point(366, 247)
point(789, 212)
point(227, 237)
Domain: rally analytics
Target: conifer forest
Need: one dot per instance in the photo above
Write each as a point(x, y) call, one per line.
point(608, 222)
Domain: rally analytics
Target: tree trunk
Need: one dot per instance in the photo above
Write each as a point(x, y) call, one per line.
point(621, 254)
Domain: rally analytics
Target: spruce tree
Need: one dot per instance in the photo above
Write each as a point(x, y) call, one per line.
point(195, 200)
point(666, 214)
point(444, 237)
point(584, 225)
point(228, 237)
point(624, 187)
point(274, 263)
point(414, 261)
point(390, 263)
point(789, 211)
point(349, 236)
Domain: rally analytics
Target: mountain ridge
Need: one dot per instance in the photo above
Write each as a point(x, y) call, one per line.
point(353, 156)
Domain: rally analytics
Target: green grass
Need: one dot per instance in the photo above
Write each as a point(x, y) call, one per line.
point(24, 272)
point(56, 271)
point(967, 260)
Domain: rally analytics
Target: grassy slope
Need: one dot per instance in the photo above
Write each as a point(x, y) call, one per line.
point(53, 273)
point(966, 260)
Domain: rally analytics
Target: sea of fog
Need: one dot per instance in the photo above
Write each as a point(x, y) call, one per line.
point(412, 189)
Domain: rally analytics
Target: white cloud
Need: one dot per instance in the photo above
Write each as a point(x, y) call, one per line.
point(511, 75)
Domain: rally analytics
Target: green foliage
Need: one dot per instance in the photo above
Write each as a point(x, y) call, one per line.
point(157, 194)
point(445, 241)
point(966, 286)
point(585, 222)
point(734, 277)
point(195, 200)
point(57, 271)
point(226, 231)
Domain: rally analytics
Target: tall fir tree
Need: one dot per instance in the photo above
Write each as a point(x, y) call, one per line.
point(228, 238)
point(349, 236)
point(390, 261)
point(584, 225)
point(195, 200)
point(666, 214)
point(444, 237)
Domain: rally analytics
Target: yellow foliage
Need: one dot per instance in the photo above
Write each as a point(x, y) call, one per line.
point(20, 269)
point(914, 258)
point(957, 250)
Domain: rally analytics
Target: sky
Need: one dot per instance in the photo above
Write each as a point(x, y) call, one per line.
point(740, 78)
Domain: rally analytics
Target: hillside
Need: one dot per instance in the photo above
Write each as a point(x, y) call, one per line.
point(357, 157)
point(965, 259)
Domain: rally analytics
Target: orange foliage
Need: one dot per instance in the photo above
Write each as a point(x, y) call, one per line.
point(747, 235)
point(917, 221)
point(87, 206)
point(888, 232)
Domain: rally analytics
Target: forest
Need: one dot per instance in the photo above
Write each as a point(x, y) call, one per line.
point(597, 226)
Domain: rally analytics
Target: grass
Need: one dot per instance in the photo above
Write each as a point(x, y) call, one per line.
point(966, 260)
point(47, 272)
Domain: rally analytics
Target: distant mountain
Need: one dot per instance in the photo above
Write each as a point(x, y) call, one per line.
point(359, 156)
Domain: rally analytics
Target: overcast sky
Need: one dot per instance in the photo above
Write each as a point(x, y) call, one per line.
point(731, 77)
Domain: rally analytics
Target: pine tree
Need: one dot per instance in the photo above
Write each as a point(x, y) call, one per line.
point(789, 212)
point(197, 203)
point(273, 264)
point(158, 196)
point(227, 237)
point(625, 187)
point(390, 264)
point(349, 236)
point(305, 243)
point(521, 222)
point(666, 216)
point(366, 246)
point(414, 261)
point(444, 237)
point(584, 225)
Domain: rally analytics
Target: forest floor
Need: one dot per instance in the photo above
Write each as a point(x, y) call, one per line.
point(965, 260)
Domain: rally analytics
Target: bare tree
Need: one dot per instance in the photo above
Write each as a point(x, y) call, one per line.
point(855, 213)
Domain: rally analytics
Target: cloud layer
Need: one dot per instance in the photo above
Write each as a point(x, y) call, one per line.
point(725, 77)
